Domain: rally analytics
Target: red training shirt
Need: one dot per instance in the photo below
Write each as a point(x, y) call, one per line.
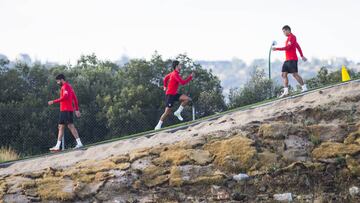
point(290, 48)
point(67, 96)
point(172, 81)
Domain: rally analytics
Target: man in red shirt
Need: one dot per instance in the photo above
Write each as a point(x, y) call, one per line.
point(171, 85)
point(291, 62)
point(67, 97)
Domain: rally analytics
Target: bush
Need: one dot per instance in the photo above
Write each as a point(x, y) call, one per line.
point(258, 88)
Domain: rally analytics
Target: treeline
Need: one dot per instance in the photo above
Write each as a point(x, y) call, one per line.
point(114, 101)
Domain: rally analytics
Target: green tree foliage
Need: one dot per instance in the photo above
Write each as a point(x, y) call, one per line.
point(324, 77)
point(256, 89)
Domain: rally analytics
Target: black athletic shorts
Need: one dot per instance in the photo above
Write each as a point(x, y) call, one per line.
point(290, 66)
point(170, 99)
point(66, 117)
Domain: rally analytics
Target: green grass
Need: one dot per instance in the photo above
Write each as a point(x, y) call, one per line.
point(315, 140)
point(187, 123)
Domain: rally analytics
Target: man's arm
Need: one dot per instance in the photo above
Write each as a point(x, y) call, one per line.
point(181, 81)
point(64, 96)
point(166, 80)
point(299, 49)
point(76, 102)
point(291, 43)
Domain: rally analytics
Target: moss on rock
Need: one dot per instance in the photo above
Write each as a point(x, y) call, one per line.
point(195, 175)
point(353, 165)
point(278, 130)
point(55, 188)
point(120, 159)
point(334, 149)
point(159, 180)
point(138, 154)
point(353, 138)
point(234, 154)
point(181, 154)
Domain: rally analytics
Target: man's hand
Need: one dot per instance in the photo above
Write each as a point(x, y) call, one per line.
point(274, 48)
point(165, 88)
point(78, 114)
point(304, 58)
point(50, 102)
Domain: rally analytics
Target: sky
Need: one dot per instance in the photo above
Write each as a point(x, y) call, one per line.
point(62, 30)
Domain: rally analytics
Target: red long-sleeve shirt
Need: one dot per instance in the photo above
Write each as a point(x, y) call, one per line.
point(172, 82)
point(67, 96)
point(290, 48)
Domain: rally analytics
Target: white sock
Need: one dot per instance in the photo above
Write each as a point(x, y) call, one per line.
point(286, 89)
point(180, 109)
point(58, 144)
point(304, 86)
point(78, 141)
point(160, 123)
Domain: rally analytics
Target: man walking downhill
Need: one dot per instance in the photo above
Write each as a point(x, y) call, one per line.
point(171, 85)
point(291, 62)
point(67, 97)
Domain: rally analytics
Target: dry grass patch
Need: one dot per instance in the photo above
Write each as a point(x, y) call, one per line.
point(8, 154)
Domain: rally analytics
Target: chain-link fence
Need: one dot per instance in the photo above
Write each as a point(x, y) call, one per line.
point(32, 131)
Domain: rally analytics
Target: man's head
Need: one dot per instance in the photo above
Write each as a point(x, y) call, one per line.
point(176, 65)
point(60, 79)
point(286, 30)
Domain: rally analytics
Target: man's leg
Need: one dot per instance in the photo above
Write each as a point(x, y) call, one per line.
point(165, 114)
point(300, 81)
point(184, 101)
point(75, 133)
point(298, 78)
point(73, 130)
point(284, 76)
point(163, 117)
point(61, 128)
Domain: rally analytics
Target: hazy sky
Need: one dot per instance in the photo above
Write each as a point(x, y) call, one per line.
point(62, 30)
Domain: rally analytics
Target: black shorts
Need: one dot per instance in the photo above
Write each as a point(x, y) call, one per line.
point(170, 99)
point(66, 117)
point(290, 66)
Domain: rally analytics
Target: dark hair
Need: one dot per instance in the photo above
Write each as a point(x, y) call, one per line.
point(174, 64)
point(286, 27)
point(60, 76)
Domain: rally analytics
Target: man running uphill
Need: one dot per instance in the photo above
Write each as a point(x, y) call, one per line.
point(171, 85)
point(291, 62)
point(67, 97)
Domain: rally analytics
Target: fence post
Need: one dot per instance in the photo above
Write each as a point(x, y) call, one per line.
point(63, 142)
point(193, 112)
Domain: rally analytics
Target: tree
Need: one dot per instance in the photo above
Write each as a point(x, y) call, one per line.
point(257, 89)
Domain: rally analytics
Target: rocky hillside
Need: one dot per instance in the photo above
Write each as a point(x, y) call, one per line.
point(303, 149)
